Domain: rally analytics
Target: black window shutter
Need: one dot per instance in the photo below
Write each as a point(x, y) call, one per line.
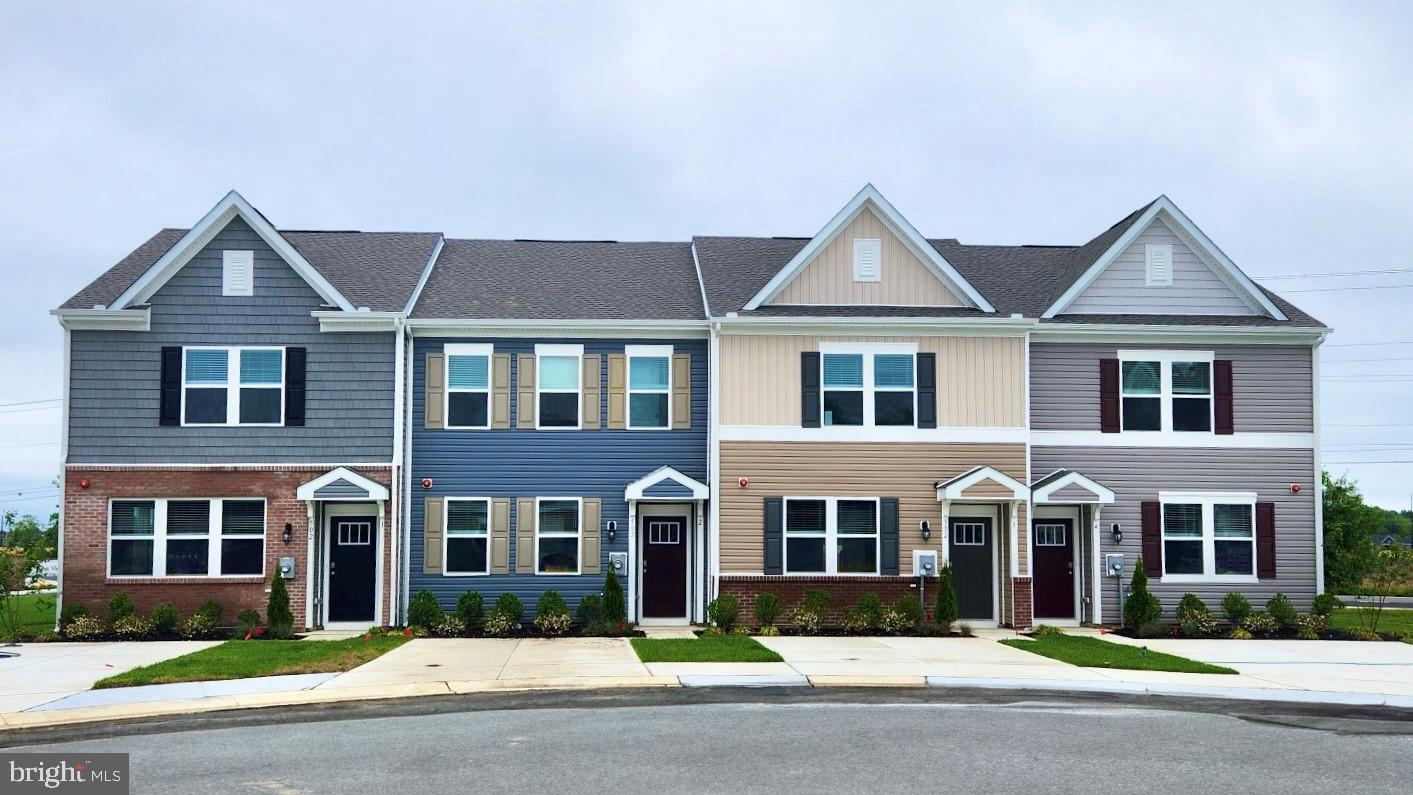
point(888, 525)
point(810, 405)
point(1222, 397)
point(294, 386)
point(774, 535)
point(1152, 540)
point(927, 390)
point(1265, 539)
point(1109, 395)
point(171, 408)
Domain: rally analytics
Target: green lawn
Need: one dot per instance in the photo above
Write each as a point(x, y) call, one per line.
point(240, 659)
point(1391, 621)
point(1095, 653)
point(36, 612)
point(723, 648)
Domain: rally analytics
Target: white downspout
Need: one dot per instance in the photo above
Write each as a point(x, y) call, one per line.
point(1319, 470)
point(63, 477)
point(394, 533)
point(404, 530)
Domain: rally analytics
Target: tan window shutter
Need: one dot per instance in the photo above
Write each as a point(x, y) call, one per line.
point(682, 390)
point(500, 391)
point(591, 391)
point(525, 536)
point(500, 533)
point(617, 391)
point(589, 527)
point(432, 518)
point(435, 404)
point(525, 392)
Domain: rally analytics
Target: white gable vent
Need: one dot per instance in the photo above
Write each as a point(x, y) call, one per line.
point(1159, 264)
point(238, 273)
point(868, 251)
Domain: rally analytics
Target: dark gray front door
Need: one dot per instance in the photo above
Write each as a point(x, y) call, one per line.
point(971, 548)
point(352, 565)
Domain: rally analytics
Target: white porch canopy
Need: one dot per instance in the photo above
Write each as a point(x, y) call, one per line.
point(665, 484)
point(654, 494)
point(341, 485)
point(1068, 487)
point(982, 484)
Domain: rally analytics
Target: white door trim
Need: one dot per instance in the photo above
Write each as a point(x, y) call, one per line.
point(686, 511)
point(353, 509)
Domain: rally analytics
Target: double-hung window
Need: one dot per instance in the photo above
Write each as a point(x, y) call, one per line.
point(1166, 390)
point(467, 536)
point(242, 537)
point(1208, 535)
point(468, 385)
point(186, 538)
point(649, 386)
point(869, 385)
point(132, 537)
point(233, 386)
point(188, 535)
point(557, 535)
point(560, 369)
point(831, 535)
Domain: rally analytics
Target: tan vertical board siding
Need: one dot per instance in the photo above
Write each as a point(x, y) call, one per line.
point(524, 536)
point(987, 488)
point(500, 391)
point(844, 469)
point(591, 392)
point(432, 519)
point(617, 391)
point(980, 380)
point(681, 391)
point(829, 277)
point(593, 509)
point(525, 392)
point(436, 391)
point(500, 536)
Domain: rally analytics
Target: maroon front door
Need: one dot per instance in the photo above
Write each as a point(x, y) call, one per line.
point(1053, 551)
point(664, 567)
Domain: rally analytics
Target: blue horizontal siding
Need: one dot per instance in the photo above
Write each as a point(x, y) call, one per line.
point(518, 463)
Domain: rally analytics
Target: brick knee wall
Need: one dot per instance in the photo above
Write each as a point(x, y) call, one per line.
point(1023, 607)
point(85, 533)
point(844, 592)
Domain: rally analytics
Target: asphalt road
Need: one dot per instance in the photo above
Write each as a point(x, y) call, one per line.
point(1393, 601)
point(777, 743)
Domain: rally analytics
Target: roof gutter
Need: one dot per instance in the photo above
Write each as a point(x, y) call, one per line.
point(1001, 326)
point(1098, 332)
point(99, 319)
point(360, 320)
point(572, 327)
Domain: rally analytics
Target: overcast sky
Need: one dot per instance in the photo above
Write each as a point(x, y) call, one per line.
point(1285, 131)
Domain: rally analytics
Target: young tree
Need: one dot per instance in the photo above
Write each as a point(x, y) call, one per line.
point(1350, 526)
point(1392, 569)
point(946, 611)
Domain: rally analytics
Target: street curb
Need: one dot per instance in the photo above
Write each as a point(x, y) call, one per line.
point(726, 680)
point(1135, 688)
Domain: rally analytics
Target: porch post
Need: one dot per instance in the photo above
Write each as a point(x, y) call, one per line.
point(1099, 573)
point(699, 585)
point(309, 617)
point(631, 570)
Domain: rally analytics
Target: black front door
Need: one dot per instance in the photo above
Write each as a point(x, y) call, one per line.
point(973, 578)
point(664, 567)
point(1053, 551)
point(352, 562)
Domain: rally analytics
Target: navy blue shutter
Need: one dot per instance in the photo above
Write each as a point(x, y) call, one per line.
point(774, 535)
point(927, 390)
point(294, 386)
point(171, 404)
point(888, 526)
point(809, 389)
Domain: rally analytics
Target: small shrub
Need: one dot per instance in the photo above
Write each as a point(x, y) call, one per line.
point(470, 608)
point(1280, 608)
point(742, 631)
point(1362, 633)
point(806, 622)
point(1325, 604)
point(767, 609)
point(870, 605)
point(133, 627)
point(449, 626)
point(859, 622)
point(964, 629)
point(1142, 607)
point(1190, 605)
point(816, 601)
point(119, 607)
point(931, 630)
point(911, 609)
point(1237, 607)
point(1313, 624)
point(769, 631)
point(1306, 633)
point(164, 618)
point(590, 611)
point(1153, 629)
point(712, 632)
point(1260, 624)
point(84, 627)
point(47, 636)
point(500, 624)
point(1199, 625)
point(197, 626)
point(423, 610)
point(724, 611)
point(1047, 631)
point(246, 623)
point(1237, 633)
point(71, 612)
point(510, 606)
point(614, 608)
point(277, 613)
point(946, 611)
point(213, 610)
point(896, 622)
point(552, 614)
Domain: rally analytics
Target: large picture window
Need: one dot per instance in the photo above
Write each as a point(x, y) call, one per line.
point(468, 385)
point(869, 385)
point(831, 535)
point(233, 386)
point(1208, 535)
point(1166, 391)
point(557, 535)
point(649, 386)
point(467, 536)
point(186, 538)
point(560, 369)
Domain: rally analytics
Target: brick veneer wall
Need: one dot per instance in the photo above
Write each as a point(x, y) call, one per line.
point(845, 591)
point(85, 532)
point(1024, 609)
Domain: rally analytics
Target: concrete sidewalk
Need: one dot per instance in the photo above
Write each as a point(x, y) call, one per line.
point(44, 672)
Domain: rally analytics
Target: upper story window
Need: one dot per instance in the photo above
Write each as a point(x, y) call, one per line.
point(557, 535)
point(829, 535)
point(468, 385)
point(467, 536)
point(237, 273)
point(869, 385)
point(1166, 390)
point(186, 538)
point(649, 386)
point(558, 389)
point(233, 386)
point(1208, 535)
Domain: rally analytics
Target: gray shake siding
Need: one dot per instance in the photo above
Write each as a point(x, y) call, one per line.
point(1271, 386)
point(115, 375)
point(1138, 474)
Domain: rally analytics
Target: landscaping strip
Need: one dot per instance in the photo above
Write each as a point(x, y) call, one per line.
point(241, 659)
point(1392, 621)
point(723, 648)
point(1095, 653)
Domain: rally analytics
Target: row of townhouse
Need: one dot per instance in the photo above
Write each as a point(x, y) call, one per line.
point(373, 414)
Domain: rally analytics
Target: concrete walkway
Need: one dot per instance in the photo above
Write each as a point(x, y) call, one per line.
point(43, 672)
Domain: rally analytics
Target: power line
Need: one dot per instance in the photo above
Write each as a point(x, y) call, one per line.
point(1364, 344)
point(1352, 463)
point(1330, 275)
point(31, 402)
point(1351, 361)
point(34, 444)
point(1337, 289)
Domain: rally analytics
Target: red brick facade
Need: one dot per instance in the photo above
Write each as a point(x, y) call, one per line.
point(1023, 610)
point(845, 591)
point(85, 535)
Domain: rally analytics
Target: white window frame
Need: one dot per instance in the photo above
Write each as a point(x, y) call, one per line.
point(485, 349)
point(233, 385)
point(446, 536)
point(579, 536)
point(213, 538)
point(576, 351)
point(868, 351)
point(632, 352)
point(238, 259)
point(1207, 500)
point(1165, 360)
point(831, 536)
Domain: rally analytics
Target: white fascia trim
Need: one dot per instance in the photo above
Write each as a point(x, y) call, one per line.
point(232, 205)
point(878, 326)
point(376, 490)
point(1103, 495)
point(588, 328)
point(950, 490)
point(269, 465)
point(636, 488)
point(701, 283)
point(426, 274)
point(1194, 440)
point(869, 198)
point(1226, 269)
point(1172, 334)
point(837, 433)
point(331, 320)
point(98, 319)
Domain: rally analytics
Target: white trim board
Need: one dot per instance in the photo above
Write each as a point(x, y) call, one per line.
point(1041, 495)
point(849, 433)
point(635, 490)
point(376, 491)
point(1191, 439)
point(100, 319)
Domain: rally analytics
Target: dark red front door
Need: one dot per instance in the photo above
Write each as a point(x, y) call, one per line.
point(1053, 551)
point(664, 567)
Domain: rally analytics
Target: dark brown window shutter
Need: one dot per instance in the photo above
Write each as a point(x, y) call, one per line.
point(810, 405)
point(294, 386)
point(1221, 396)
point(1152, 540)
point(1265, 539)
point(171, 408)
point(1109, 395)
point(888, 524)
point(927, 390)
point(774, 535)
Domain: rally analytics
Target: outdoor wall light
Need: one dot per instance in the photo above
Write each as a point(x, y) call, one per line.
point(1117, 533)
point(288, 533)
point(612, 530)
point(926, 529)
